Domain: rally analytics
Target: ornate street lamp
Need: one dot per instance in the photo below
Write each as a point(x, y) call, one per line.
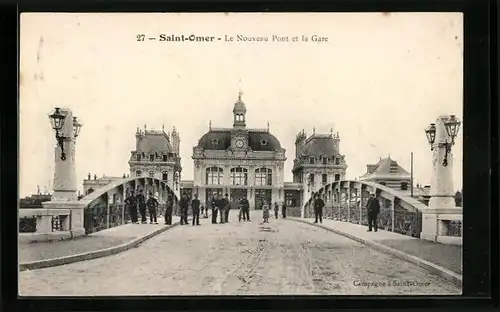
point(430, 132)
point(57, 121)
point(76, 127)
point(452, 125)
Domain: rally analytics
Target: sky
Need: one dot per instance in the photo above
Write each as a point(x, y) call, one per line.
point(379, 80)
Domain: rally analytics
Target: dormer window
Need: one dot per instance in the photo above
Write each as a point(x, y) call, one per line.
point(138, 173)
point(311, 160)
point(152, 157)
point(138, 157)
point(325, 161)
point(263, 142)
point(337, 161)
point(215, 141)
point(165, 157)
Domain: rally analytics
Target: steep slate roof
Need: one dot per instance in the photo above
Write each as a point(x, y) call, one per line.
point(320, 146)
point(151, 142)
point(223, 138)
point(382, 170)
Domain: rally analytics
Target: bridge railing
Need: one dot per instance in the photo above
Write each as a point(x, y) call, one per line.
point(346, 201)
point(102, 209)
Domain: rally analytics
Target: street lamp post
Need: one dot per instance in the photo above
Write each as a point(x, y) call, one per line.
point(441, 137)
point(65, 196)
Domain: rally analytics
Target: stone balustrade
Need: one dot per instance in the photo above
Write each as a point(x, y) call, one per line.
point(42, 224)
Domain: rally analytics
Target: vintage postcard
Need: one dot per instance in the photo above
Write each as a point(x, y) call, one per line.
point(240, 154)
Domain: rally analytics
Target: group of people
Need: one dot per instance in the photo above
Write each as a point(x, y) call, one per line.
point(139, 202)
point(372, 208)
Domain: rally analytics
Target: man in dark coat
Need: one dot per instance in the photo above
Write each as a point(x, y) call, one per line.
point(246, 209)
point(221, 205)
point(276, 210)
point(152, 204)
point(318, 209)
point(131, 203)
point(213, 203)
point(184, 206)
point(169, 209)
point(373, 209)
point(283, 210)
point(141, 200)
point(195, 205)
point(227, 207)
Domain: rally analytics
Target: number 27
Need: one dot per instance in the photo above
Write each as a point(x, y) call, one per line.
point(140, 37)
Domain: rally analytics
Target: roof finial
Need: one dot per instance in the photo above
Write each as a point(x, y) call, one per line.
point(239, 95)
point(163, 127)
point(314, 130)
point(144, 127)
point(331, 131)
point(268, 126)
point(210, 125)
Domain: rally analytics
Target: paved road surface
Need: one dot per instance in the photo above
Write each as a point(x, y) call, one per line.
point(282, 257)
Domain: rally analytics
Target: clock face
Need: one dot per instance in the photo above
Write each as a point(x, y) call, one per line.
point(239, 143)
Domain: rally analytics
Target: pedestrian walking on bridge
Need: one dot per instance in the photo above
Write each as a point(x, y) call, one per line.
point(227, 208)
point(246, 209)
point(142, 206)
point(214, 205)
point(276, 210)
point(184, 206)
point(318, 209)
point(169, 209)
point(152, 204)
point(373, 209)
point(283, 210)
point(265, 211)
point(195, 205)
point(131, 202)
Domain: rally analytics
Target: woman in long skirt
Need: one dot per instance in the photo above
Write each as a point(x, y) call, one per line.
point(265, 212)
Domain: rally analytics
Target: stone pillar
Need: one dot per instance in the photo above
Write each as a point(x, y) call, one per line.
point(65, 188)
point(442, 194)
point(442, 200)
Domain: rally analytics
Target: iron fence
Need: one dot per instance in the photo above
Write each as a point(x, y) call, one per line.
point(27, 225)
point(95, 218)
point(455, 228)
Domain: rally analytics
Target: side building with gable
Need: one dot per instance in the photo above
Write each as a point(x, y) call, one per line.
point(157, 155)
point(317, 162)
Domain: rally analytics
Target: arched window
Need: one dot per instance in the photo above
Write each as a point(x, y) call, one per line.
point(164, 176)
point(138, 173)
point(214, 175)
point(151, 174)
point(263, 176)
point(239, 176)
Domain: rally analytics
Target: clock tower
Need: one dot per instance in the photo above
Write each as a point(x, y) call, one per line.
point(239, 133)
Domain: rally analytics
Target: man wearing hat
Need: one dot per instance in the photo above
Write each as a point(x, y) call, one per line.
point(195, 205)
point(373, 209)
point(169, 210)
point(184, 206)
point(152, 204)
point(318, 209)
point(227, 207)
point(141, 200)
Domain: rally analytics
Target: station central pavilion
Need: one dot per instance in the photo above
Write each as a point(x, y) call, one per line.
point(248, 162)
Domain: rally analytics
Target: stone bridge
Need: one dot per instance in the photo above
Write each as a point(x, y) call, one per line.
point(345, 201)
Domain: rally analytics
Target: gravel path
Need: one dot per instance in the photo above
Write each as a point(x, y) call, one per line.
point(279, 258)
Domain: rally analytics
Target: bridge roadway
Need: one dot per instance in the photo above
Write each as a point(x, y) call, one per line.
point(283, 257)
